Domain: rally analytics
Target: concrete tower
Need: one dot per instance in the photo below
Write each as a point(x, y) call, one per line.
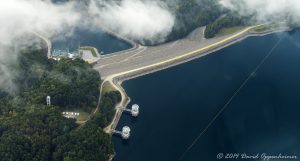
point(135, 110)
point(48, 100)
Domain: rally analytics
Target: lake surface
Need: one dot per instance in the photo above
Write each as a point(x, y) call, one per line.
point(104, 42)
point(177, 104)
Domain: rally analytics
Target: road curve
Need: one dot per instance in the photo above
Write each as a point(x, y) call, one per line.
point(48, 42)
point(163, 56)
point(113, 69)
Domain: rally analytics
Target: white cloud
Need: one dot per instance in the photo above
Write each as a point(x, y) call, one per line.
point(134, 19)
point(266, 9)
point(20, 17)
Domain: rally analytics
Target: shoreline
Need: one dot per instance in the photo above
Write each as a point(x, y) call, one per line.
point(117, 79)
point(133, 44)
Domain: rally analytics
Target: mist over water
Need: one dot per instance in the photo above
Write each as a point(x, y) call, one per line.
point(139, 20)
point(134, 19)
point(105, 43)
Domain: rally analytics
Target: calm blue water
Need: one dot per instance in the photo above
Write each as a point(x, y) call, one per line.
point(178, 103)
point(84, 37)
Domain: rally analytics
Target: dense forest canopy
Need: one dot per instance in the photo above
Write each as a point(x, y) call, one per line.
point(42, 134)
point(227, 21)
point(32, 131)
point(191, 14)
point(70, 83)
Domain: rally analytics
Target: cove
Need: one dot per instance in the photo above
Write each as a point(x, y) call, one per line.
point(104, 42)
point(177, 104)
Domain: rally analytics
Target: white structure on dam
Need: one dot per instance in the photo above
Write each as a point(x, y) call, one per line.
point(125, 133)
point(134, 111)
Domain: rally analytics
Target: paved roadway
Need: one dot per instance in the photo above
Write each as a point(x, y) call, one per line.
point(141, 60)
point(47, 40)
point(115, 64)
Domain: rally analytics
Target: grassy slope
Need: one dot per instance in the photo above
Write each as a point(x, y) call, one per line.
point(262, 28)
point(107, 87)
point(230, 30)
point(93, 51)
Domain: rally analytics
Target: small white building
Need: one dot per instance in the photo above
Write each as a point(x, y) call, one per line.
point(70, 55)
point(71, 115)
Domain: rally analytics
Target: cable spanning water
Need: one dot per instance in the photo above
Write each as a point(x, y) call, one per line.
point(230, 100)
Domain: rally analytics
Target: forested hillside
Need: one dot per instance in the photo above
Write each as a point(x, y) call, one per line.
point(70, 83)
point(227, 21)
point(191, 14)
point(32, 131)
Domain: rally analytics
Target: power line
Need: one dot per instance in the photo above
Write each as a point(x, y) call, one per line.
point(229, 101)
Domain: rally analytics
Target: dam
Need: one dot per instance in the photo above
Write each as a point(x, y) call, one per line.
point(142, 60)
point(262, 117)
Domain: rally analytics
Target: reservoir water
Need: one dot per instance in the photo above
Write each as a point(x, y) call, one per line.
point(104, 42)
point(179, 103)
